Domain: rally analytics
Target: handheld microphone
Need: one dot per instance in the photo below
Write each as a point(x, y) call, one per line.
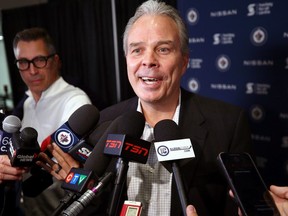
point(169, 147)
point(76, 183)
point(71, 135)
point(24, 148)
point(130, 124)
point(79, 124)
point(10, 124)
point(127, 149)
point(79, 180)
point(78, 206)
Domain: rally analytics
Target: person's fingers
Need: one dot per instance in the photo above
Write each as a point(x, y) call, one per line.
point(7, 172)
point(191, 211)
point(279, 191)
point(51, 166)
point(64, 159)
point(231, 194)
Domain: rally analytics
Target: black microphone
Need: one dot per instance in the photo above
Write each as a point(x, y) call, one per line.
point(170, 147)
point(76, 183)
point(10, 125)
point(74, 192)
point(70, 135)
point(79, 124)
point(127, 149)
point(24, 148)
point(131, 124)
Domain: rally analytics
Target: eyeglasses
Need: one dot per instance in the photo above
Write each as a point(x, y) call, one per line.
point(38, 62)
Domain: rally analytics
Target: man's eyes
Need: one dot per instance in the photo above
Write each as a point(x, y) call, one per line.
point(160, 50)
point(22, 61)
point(39, 59)
point(164, 50)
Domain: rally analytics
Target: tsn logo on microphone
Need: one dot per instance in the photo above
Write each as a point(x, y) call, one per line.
point(125, 146)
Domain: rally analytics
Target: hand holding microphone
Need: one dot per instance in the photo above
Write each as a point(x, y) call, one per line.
point(68, 136)
point(22, 148)
point(67, 143)
point(11, 124)
point(62, 167)
point(128, 125)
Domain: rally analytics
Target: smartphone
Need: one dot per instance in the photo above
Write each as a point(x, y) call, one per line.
point(247, 185)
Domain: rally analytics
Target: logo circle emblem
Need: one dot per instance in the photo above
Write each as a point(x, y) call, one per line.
point(258, 36)
point(163, 150)
point(64, 138)
point(192, 16)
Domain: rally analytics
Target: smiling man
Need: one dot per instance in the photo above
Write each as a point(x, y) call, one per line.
point(156, 47)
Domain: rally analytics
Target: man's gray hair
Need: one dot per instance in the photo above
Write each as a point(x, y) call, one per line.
point(155, 7)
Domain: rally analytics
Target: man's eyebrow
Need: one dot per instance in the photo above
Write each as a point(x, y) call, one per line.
point(165, 42)
point(134, 44)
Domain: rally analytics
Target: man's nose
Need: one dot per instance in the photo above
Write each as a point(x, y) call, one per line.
point(150, 59)
point(32, 69)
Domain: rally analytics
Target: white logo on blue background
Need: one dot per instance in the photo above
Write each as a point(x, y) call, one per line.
point(192, 16)
point(257, 113)
point(259, 36)
point(223, 63)
point(64, 138)
point(193, 85)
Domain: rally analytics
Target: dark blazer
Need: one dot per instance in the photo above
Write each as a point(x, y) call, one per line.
point(213, 127)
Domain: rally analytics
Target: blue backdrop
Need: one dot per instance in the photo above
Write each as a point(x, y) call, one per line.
point(239, 54)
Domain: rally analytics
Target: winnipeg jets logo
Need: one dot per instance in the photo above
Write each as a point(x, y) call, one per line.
point(64, 138)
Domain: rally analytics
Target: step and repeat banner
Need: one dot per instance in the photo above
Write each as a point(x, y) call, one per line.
point(239, 54)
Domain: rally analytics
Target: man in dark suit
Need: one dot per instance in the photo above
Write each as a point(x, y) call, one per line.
point(157, 53)
point(156, 49)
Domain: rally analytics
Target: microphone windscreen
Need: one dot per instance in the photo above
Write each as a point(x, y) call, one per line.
point(165, 130)
point(29, 136)
point(11, 124)
point(130, 123)
point(84, 119)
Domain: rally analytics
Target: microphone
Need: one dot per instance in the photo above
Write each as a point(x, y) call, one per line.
point(78, 206)
point(24, 148)
point(127, 149)
point(131, 124)
point(10, 124)
point(69, 137)
point(169, 147)
point(79, 180)
point(76, 183)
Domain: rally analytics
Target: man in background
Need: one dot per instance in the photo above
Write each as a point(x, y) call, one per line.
point(48, 104)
